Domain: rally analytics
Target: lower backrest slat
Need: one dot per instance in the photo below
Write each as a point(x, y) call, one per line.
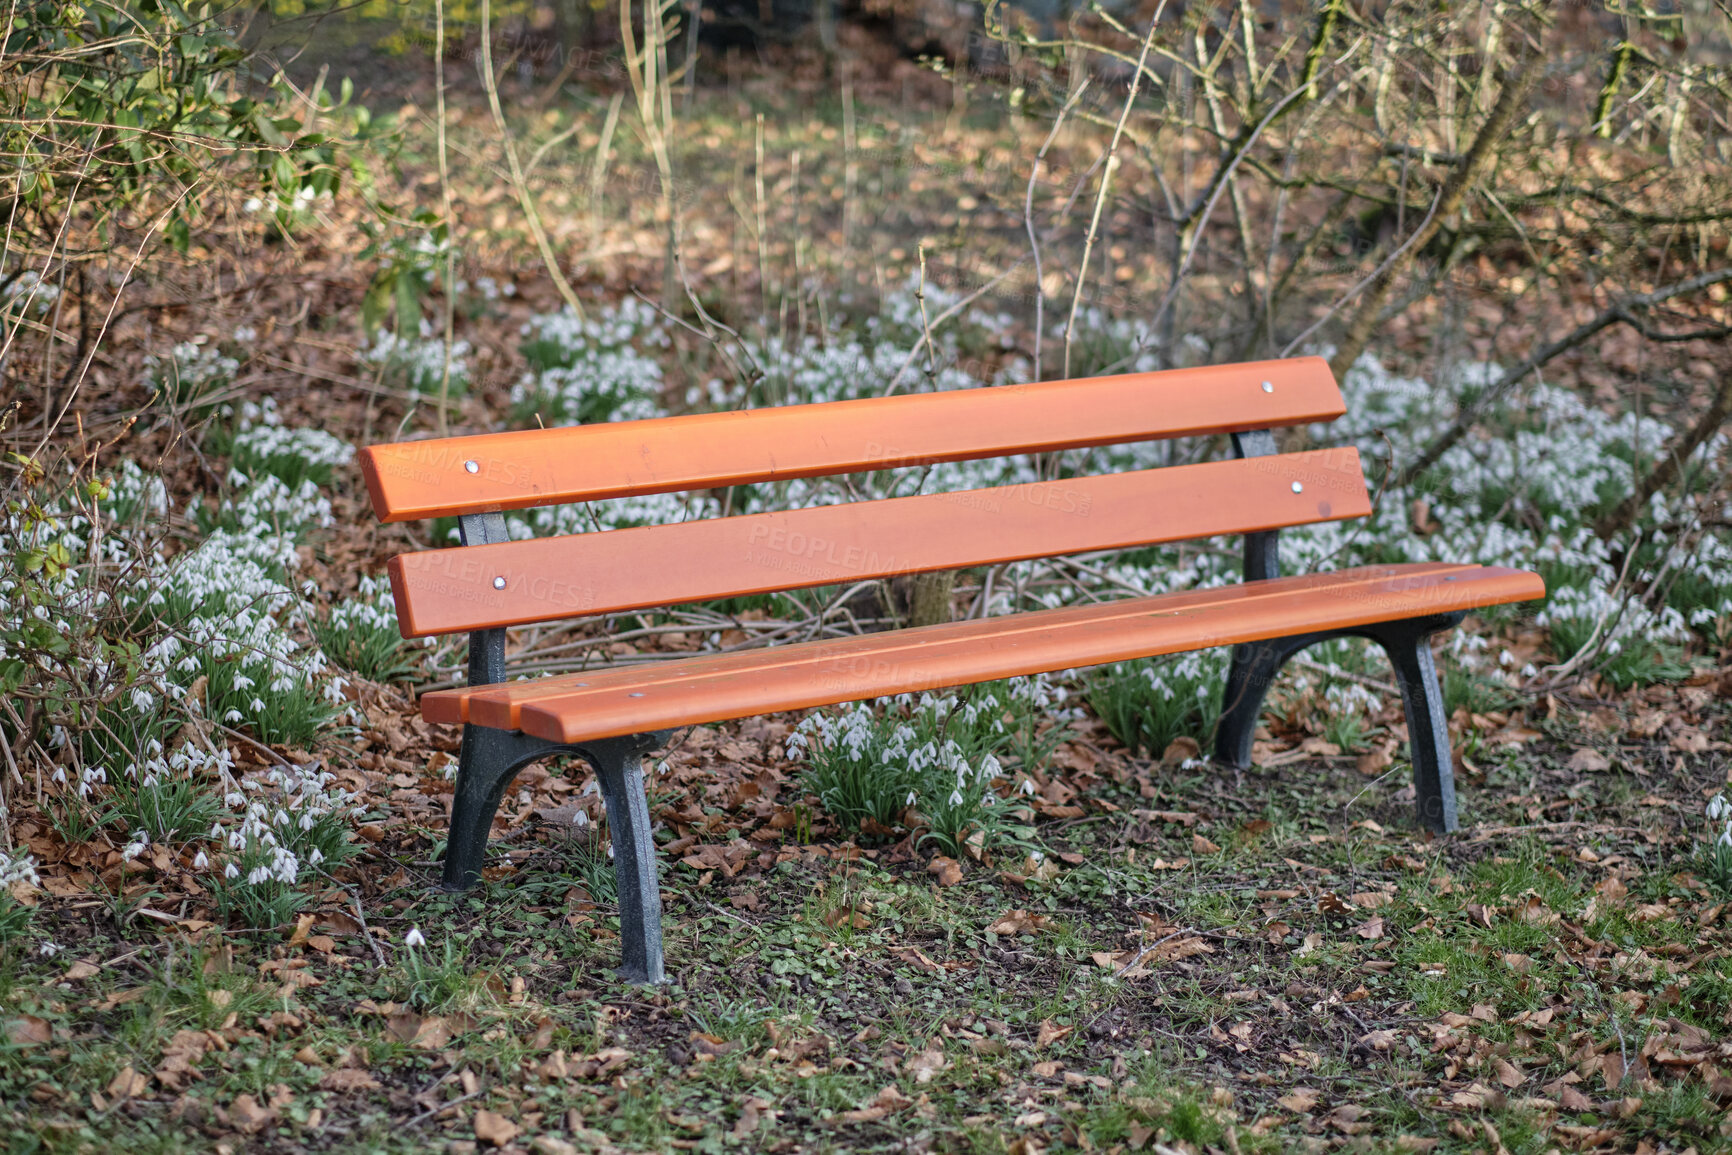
point(518, 583)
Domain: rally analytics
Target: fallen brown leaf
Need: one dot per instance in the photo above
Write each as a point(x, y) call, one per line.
point(948, 870)
point(348, 1079)
point(127, 1084)
point(925, 1065)
point(1508, 1074)
point(494, 1129)
point(1371, 899)
point(29, 1031)
point(1050, 1033)
point(1019, 922)
point(1180, 750)
point(248, 1117)
point(1347, 1119)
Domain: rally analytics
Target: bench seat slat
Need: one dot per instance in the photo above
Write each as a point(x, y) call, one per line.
point(449, 476)
point(608, 703)
point(516, 583)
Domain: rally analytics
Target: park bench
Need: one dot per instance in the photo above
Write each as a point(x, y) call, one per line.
point(612, 716)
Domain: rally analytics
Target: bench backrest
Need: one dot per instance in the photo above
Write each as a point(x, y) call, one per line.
point(516, 583)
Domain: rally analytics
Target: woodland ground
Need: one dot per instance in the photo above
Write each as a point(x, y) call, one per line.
point(1164, 957)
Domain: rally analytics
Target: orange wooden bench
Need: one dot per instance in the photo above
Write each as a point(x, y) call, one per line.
point(613, 716)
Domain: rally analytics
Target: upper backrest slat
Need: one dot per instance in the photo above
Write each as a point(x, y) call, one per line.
point(513, 583)
point(499, 471)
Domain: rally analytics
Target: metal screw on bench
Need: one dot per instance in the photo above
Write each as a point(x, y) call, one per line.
point(1298, 487)
point(471, 467)
point(1268, 386)
point(499, 582)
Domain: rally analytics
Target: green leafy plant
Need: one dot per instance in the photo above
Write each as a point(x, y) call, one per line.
point(361, 634)
point(433, 982)
point(1146, 704)
point(15, 916)
point(1715, 858)
point(925, 762)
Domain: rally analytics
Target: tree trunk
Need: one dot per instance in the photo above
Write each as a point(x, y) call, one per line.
point(929, 598)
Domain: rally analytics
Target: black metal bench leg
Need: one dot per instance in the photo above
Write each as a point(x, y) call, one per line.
point(1407, 643)
point(489, 760)
point(1409, 649)
point(619, 767)
point(1254, 667)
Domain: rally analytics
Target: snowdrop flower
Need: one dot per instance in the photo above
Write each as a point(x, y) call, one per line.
point(231, 871)
point(414, 937)
point(580, 819)
point(1027, 786)
point(199, 861)
point(1718, 808)
point(49, 949)
point(909, 801)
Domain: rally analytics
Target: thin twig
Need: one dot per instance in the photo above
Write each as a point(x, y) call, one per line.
point(1141, 954)
point(531, 214)
point(426, 1115)
point(946, 315)
point(1112, 166)
point(366, 933)
point(1028, 222)
point(450, 220)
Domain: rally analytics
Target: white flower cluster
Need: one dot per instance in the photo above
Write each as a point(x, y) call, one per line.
point(16, 869)
point(418, 362)
point(1525, 499)
point(279, 809)
point(1196, 675)
point(920, 739)
point(225, 642)
point(190, 370)
point(233, 613)
point(29, 293)
point(1720, 810)
point(595, 369)
point(371, 609)
point(488, 288)
point(263, 436)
